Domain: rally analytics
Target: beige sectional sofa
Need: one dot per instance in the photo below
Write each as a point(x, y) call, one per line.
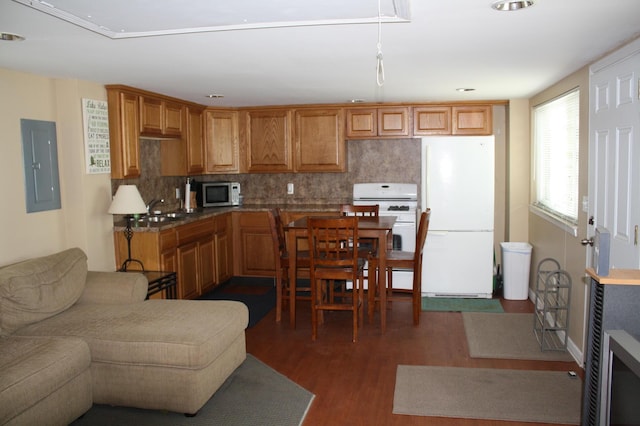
point(71, 337)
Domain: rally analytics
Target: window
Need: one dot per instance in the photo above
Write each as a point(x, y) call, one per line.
point(556, 151)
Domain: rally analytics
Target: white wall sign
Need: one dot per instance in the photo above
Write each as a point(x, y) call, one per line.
point(96, 136)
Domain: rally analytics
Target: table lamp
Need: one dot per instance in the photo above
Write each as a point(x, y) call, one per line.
point(128, 202)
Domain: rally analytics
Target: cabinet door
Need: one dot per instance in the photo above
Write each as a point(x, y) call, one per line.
point(224, 264)
point(319, 140)
point(195, 142)
point(269, 141)
point(472, 120)
point(431, 120)
point(221, 142)
point(254, 250)
point(393, 121)
point(173, 116)
point(362, 122)
point(150, 116)
point(188, 263)
point(206, 254)
point(224, 249)
point(124, 131)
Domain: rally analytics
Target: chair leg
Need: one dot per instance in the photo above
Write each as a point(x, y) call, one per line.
point(355, 314)
point(278, 299)
point(417, 299)
point(314, 310)
point(390, 285)
point(371, 291)
point(361, 301)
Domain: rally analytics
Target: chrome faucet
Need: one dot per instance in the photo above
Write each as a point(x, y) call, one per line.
point(153, 203)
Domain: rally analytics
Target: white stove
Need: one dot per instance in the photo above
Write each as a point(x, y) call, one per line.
point(400, 200)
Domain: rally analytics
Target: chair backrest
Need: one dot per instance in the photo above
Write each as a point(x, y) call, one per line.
point(421, 236)
point(352, 210)
point(331, 242)
point(277, 235)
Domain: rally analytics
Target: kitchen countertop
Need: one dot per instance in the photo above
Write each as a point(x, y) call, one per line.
point(203, 213)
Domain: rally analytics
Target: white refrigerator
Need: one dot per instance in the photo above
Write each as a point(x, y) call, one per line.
point(458, 185)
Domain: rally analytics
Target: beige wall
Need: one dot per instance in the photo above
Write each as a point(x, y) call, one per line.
point(82, 221)
point(518, 155)
point(549, 240)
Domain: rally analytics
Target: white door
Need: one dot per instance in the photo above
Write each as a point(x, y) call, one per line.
point(614, 155)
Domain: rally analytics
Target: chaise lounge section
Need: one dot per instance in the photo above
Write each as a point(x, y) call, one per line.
point(154, 354)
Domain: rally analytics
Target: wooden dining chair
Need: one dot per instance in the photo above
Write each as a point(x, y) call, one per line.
point(366, 246)
point(402, 260)
point(364, 210)
point(281, 254)
point(333, 257)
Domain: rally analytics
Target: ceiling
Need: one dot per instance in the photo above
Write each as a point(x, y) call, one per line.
point(316, 51)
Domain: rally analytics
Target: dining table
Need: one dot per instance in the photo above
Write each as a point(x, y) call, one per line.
point(377, 227)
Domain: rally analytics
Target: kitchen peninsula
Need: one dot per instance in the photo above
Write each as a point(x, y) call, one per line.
point(209, 246)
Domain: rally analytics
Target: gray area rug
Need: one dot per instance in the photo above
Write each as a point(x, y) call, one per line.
point(484, 393)
point(506, 336)
point(254, 394)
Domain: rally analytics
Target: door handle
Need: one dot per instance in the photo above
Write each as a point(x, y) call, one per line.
point(587, 242)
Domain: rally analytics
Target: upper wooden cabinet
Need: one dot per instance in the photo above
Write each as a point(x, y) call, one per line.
point(162, 118)
point(222, 151)
point(195, 141)
point(123, 134)
point(319, 140)
point(365, 123)
point(268, 140)
point(472, 120)
point(432, 120)
point(452, 120)
point(184, 156)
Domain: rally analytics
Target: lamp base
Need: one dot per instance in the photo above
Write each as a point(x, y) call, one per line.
point(128, 234)
point(126, 263)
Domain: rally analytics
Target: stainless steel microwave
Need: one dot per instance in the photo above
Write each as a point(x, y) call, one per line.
point(219, 194)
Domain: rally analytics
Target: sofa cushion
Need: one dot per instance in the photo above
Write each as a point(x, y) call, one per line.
point(40, 288)
point(32, 369)
point(179, 333)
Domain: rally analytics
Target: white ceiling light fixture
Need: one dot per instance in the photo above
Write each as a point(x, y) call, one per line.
point(511, 5)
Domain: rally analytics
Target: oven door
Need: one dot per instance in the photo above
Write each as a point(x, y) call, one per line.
point(404, 236)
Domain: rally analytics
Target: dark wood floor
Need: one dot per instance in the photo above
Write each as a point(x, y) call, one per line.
point(354, 382)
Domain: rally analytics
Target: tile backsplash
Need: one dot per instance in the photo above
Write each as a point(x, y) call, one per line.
point(379, 160)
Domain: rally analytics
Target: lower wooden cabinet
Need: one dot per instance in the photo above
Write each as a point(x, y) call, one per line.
point(199, 252)
point(188, 266)
point(207, 266)
point(223, 248)
point(253, 249)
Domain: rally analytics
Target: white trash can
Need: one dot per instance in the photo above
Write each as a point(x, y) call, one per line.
point(516, 263)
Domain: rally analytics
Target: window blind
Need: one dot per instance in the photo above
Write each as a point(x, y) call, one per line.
point(556, 153)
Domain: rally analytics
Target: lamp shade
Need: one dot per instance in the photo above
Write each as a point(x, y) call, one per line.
point(127, 201)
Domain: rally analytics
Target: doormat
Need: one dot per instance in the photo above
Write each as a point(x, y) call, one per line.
point(445, 304)
point(506, 336)
point(488, 393)
point(258, 294)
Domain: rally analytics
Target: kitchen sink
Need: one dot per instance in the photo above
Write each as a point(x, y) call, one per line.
point(163, 217)
point(174, 215)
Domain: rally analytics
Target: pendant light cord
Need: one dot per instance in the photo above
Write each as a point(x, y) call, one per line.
point(379, 62)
